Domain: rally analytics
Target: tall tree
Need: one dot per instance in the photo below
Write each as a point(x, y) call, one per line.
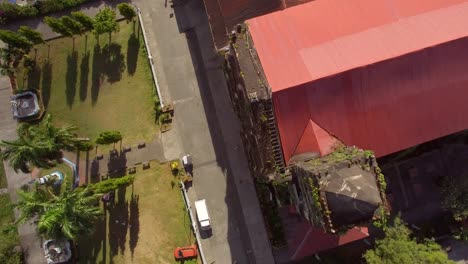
point(12, 55)
point(127, 11)
point(70, 214)
point(105, 22)
point(397, 247)
point(74, 26)
point(85, 21)
point(35, 37)
point(57, 26)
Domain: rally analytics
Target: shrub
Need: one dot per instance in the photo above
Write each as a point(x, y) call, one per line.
point(12, 12)
point(84, 145)
point(111, 184)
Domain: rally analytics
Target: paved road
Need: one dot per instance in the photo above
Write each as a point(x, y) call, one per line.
point(30, 242)
point(205, 126)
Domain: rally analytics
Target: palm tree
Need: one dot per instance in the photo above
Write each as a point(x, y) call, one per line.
point(23, 154)
point(38, 145)
point(70, 214)
point(59, 138)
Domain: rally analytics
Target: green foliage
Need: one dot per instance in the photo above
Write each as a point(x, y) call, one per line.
point(15, 40)
point(111, 184)
point(13, 12)
point(271, 216)
point(380, 218)
point(38, 145)
point(127, 11)
point(72, 25)
point(397, 247)
point(84, 145)
point(68, 215)
point(455, 196)
point(35, 37)
point(8, 233)
point(108, 137)
point(58, 26)
point(84, 20)
point(105, 21)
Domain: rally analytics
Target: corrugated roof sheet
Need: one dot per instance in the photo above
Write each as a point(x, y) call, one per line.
point(326, 37)
point(386, 107)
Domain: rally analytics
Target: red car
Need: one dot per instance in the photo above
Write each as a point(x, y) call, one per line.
point(182, 253)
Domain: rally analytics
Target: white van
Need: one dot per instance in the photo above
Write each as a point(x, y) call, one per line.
point(202, 214)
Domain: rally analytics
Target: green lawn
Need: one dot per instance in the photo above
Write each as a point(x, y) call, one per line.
point(8, 233)
point(3, 180)
point(96, 87)
point(146, 223)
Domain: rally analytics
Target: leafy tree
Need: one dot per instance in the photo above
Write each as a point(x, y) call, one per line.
point(12, 55)
point(38, 145)
point(85, 21)
point(15, 40)
point(35, 37)
point(455, 196)
point(109, 137)
point(70, 214)
point(57, 26)
point(127, 11)
point(72, 25)
point(84, 145)
point(397, 247)
point(105, 22)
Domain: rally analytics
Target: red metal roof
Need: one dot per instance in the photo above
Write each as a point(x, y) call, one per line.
point(385, 77)
point(326, 37)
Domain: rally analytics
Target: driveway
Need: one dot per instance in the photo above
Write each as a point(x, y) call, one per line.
point(205, 125)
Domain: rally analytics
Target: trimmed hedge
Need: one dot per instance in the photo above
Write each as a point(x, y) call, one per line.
point(10, 12)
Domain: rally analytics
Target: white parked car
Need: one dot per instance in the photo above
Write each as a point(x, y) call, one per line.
point(202, 214)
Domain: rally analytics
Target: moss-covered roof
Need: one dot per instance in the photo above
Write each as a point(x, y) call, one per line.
point(346, 185)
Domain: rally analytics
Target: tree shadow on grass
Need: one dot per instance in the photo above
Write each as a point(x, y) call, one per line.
point(114, 62)
point(98, 67)
point(84, 74)
point(71, 77)
point(118, 223)
point(34, 78)
point(46, 84)
point(132, 53)
point(91, 248)
point(134, 222)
